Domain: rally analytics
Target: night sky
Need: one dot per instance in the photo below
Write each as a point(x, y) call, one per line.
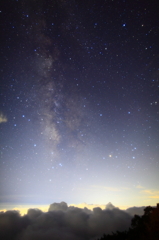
point(79, 102)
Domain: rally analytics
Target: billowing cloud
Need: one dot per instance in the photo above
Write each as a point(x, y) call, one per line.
point(63, 222)
point(58, 207)
point(3, 118)
point(12, 224)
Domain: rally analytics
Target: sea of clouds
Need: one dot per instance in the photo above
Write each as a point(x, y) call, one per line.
point(63, 222)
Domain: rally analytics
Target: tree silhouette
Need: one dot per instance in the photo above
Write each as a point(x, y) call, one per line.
point(115, 236)
point(144, 227)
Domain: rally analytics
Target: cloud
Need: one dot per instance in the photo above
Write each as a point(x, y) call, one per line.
point(151, 193)
point(3, 118)
point(12, 224)
point(154, 196)
point(63, 222)
point(58, 207)
point(135, 210)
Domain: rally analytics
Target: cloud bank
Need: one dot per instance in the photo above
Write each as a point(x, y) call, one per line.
point(63, 222)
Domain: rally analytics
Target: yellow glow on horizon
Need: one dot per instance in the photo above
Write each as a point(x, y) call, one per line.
point(24, 209)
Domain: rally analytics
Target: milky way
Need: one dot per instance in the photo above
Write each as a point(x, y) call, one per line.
point(79, 102)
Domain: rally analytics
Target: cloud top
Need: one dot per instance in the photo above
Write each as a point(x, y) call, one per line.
point(63, 222)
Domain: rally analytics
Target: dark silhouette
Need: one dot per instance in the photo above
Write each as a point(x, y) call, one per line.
point(144, 227)
point(115, 236)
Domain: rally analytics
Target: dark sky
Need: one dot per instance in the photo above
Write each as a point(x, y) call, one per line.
point(79, 102)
